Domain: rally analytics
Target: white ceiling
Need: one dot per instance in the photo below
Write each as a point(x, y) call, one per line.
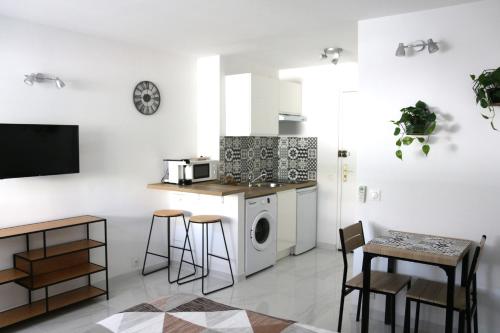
point(274, 33)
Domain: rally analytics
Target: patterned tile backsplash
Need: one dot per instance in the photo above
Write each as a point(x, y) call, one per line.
point(284, 159)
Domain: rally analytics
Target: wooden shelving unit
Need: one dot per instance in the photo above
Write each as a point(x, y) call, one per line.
point(47, 266)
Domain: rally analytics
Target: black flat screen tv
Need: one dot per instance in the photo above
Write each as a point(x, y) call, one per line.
point(38, 150)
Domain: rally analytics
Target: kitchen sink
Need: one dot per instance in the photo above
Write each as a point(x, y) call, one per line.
point(258, 184)
point(265, 184)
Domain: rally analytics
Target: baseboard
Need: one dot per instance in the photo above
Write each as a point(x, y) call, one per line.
point(326, 246)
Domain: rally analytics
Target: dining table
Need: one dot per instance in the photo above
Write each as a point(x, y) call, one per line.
point(443, 252)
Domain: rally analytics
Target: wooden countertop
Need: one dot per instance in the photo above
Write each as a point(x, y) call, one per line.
point(215, 188)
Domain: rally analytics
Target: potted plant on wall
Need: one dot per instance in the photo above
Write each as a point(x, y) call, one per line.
point(487, 89)
point(417, 123)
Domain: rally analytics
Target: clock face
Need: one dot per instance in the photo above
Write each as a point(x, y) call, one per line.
point(146, 98)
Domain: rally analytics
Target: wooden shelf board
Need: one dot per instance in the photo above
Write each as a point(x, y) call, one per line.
point(21, 313)
point(47, 279)
point(11, 274)
point(74, 296)
point(60, 249)
point(49, 225)
point(37, 308)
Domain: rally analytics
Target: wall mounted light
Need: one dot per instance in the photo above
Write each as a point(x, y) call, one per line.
point(334, 52)
point(30, 79)
point(419, 46)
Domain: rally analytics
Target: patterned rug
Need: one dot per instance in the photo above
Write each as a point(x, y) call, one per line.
point(192, 314)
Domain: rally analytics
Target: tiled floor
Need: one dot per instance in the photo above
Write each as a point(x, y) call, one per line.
point(303, 288)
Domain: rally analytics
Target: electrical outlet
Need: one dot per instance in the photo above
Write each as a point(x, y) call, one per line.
point(376, 195)
point(134, 263)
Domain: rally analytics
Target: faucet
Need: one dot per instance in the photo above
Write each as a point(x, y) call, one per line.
point(250, 181)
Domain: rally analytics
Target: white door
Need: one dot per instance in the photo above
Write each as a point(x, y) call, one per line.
point(347, 184)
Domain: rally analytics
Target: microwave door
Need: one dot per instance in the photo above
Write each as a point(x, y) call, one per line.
point(201, 171)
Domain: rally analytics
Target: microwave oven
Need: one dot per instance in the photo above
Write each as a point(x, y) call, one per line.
point(189, 170)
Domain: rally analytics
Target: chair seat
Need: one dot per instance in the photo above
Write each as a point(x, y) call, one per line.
point(205, 218)
point(435, 292)
point(168, 213)
point(382, 282)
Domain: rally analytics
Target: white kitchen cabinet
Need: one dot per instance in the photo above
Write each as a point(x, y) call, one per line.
point(290, 98)
point(251, 105)
point(287, 222)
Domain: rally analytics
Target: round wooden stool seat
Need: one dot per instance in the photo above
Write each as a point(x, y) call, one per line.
point(205, 218)
point(168, 213)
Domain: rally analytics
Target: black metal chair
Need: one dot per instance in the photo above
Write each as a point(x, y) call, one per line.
point(434, 293)
point(168, 214)
point(388, 284)
point(205, 220)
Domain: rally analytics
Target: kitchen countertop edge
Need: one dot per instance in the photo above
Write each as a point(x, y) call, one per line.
point(216, 189)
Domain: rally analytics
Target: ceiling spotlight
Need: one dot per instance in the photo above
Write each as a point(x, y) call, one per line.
point(60, 84)
point(334, 52)
point(30, 79)
point(420, 45)
point(432, 46)
point(401, 52)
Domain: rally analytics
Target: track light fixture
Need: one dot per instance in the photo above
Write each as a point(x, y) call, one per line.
point(30, 79)
point(334, 52)
point(419, 46)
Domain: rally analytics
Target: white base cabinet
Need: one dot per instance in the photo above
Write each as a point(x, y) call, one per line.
point(287, 223)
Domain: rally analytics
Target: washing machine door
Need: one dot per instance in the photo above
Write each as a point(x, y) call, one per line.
point(261, 231)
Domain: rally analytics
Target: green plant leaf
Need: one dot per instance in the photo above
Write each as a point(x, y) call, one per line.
point(398, 143)
point(407, 140)
point(431, 128)
point(493, 126)
point(485, 116)
point(421, 105)
point(426, 149)
point(473, 77)
point(484, 103)
point(397, 130)
point(399, 154)
point(421, 140)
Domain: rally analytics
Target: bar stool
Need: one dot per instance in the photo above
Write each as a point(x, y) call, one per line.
point(205, 220)
point(168, 214)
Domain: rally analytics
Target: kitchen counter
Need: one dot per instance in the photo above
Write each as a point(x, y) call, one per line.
point(217, 189)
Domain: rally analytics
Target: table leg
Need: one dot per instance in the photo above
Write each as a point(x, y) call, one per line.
point(465, 272)
point(450, 298)
point(367, 260)
point(391, 268)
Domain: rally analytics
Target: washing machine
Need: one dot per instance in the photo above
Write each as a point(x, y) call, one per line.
point(260, 233)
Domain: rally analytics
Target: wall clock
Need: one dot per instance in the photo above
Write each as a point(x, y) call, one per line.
point(146, 98)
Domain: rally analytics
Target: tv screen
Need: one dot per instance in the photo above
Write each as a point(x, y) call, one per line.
point(38, 150)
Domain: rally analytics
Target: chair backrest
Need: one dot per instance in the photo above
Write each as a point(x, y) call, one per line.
point(352, 237)
point(475, 261)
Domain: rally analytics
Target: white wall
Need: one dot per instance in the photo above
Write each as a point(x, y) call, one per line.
point(120, 149)
point(321, 88)
point(455, 191)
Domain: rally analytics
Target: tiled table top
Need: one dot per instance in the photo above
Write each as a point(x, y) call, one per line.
point(419, 247)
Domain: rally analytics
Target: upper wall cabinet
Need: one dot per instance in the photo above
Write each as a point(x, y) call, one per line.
point(252, 105)
point(290, 98)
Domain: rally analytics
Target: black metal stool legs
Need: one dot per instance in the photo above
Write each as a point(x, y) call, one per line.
point(205, 255)
point(151, 253)
point(169, 246)
point(182, 258)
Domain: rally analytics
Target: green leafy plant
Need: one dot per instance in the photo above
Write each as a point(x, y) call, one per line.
point(417, 123)
point(487, 89)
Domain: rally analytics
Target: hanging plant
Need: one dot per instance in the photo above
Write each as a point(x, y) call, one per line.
point(417, 123)
point(487, 89)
